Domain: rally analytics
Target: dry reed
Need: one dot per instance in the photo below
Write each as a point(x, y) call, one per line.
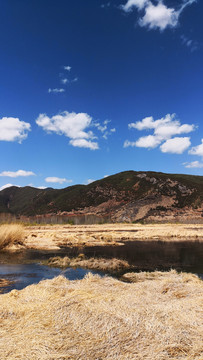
point(11, 234)
point(54, 237)
point(112, 265)
point(104, 318)
point(4, 283)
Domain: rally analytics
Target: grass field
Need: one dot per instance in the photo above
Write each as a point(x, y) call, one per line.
point(156, 318)
point(53, 237)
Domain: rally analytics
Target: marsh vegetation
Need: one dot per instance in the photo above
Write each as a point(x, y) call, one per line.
point(11, 235)
point(103, 318)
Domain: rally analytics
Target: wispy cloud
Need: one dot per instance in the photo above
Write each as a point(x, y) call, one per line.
point(55, 179)
point(157, 16)
point(128, 143)
point(14, 174)
point(12, 129)
point(191, 44)
point(56, 90)
point(163, 131)
point(64, 81)
point(107, 5)
point(89, 181)
point(193, 164)
point(104, 129)
point(67, 68)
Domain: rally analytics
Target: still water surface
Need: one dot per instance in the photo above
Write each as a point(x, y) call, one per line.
point(27, 274)
point(24, 268)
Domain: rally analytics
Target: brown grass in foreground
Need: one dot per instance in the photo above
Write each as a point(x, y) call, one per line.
point(11, 234)
point(104, 318)
point(113, 265)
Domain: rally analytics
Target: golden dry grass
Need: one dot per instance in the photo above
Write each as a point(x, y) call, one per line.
point(52, 237)
point(104, 319)
point(11, 234)
point(113, 265)
point(4, 283)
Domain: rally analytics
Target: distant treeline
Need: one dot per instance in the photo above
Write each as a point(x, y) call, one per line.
point(55, 219)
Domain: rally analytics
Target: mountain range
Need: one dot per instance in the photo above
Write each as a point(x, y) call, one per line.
point(127, 196)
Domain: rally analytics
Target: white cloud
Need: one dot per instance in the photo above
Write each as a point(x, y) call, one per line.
point(64, 81)
point(149, 142)
point(163, 129)
point(56, 90)
point(68, 68)
point(197, 150)
point(89, 181)
point(83, 143)
point(140, 4)
point(54, 179)
point(7, 186)
point(176, 145)
point(146, 123)
point(14, 174)
point(103, 128)
point(100, 127)
point(72, 125)
point(128, 143)
point(193, 164)
point(157, 16)
point(12, 129)
point(105, 176)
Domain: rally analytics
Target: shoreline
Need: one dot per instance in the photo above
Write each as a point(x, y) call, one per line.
point(47, 237)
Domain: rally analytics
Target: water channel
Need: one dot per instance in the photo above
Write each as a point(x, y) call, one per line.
point(24, 268)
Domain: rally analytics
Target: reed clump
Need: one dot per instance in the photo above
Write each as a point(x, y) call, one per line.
point(102, 264)
point(4, 283)
point(104, 318)
point(11, 234)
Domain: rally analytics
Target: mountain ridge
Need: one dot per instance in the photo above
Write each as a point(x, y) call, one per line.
point(126, 196)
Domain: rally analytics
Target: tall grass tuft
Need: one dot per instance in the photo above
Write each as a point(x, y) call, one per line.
point(11, 234)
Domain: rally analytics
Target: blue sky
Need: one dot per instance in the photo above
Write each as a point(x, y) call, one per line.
point(91, 88)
